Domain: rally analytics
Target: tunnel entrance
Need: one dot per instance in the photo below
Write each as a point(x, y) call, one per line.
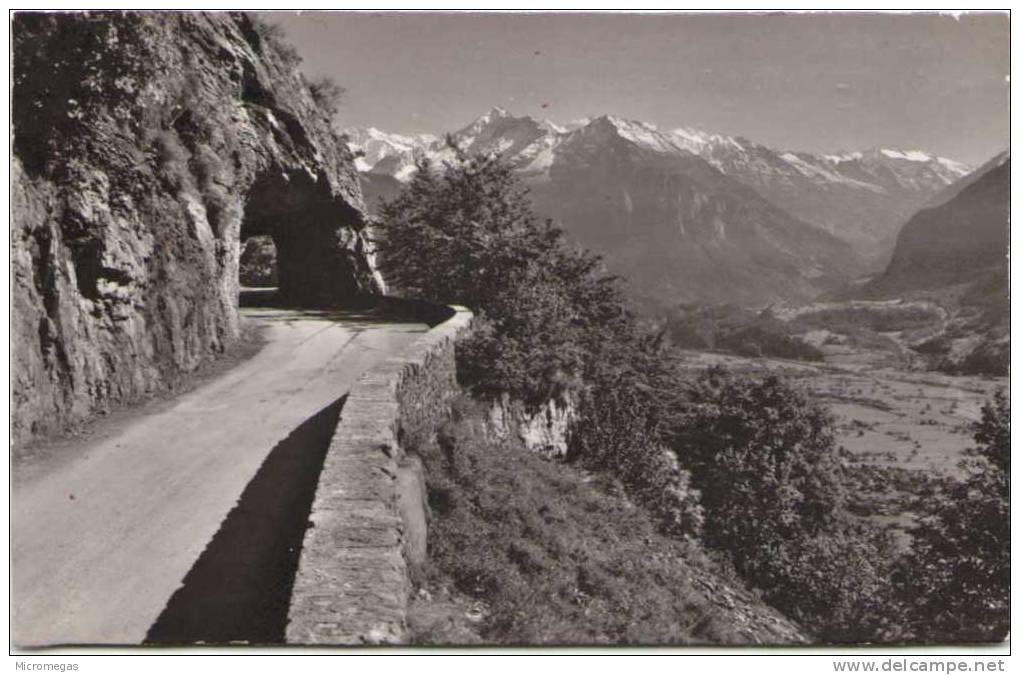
point(298, 235)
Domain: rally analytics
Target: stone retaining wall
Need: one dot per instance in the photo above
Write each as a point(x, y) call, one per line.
point(368, 519)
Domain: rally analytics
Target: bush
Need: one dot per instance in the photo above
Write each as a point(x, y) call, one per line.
point(773, 489)
point(618, 435)
point(273, 35)
point(327, 94)
point(466, 234)
point(955, 581)
point(550, 324)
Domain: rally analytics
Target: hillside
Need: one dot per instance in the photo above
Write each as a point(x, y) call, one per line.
point(861, 197)
point(955, 253)
point(962, 239)
point(677, 228)
point(147, 146)
point(528, 551)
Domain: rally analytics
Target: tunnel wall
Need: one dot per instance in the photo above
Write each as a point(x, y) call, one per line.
point(145, 145)
point(368, 519)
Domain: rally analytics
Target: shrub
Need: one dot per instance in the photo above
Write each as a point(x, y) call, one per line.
point(773, 490)
point(327, 94)
point(955, 581)
point(550, 323)
point(618, 435)
point(273, 35)
point(466, 234)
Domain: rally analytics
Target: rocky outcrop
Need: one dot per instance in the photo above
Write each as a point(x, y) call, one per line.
point(542, 429)
point(147, 146)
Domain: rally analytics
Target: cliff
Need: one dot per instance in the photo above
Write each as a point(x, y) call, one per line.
point(147, 147)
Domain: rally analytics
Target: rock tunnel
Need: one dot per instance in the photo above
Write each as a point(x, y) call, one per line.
point(319, 249)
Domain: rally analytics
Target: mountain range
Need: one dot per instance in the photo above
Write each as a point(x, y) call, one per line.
point(688, 215)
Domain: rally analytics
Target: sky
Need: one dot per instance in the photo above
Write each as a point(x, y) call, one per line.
point(817, 82)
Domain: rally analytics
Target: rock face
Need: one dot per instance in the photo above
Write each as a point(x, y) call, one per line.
point(147, 146)
point(542, 430)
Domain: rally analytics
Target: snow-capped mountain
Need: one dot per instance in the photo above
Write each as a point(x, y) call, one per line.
point(679, 229)
point(861, 197)
point(387, 153)
point(692, 215)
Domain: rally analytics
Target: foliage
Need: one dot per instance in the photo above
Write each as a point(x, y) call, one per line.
point(273, 35)
point(539, 552)
point(257, 267)
point(635, 395)
point(466, 234)
point(773, 490)
point(737, 330)
point(327, 94)
point(955, 582)
point(550, 324)
point(618, 435)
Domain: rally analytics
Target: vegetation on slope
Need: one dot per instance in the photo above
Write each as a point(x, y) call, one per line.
point(748, 467)
point(528, 551)
point(954, 584)
point(774, 493)
point(550, 323)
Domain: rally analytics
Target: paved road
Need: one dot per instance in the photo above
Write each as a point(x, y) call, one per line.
point(101, 543)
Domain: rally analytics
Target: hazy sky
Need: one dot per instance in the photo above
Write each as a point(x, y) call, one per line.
point(811, 82)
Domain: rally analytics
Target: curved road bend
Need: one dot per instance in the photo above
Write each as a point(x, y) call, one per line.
point(144, 535)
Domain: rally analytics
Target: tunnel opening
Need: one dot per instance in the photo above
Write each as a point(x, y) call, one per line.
point(257, 266)
point(300, 238)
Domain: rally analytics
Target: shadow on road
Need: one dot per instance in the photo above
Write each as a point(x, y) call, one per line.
point(239, 588)
point(366, 310)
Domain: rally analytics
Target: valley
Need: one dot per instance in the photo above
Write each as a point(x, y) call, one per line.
point(901, 430)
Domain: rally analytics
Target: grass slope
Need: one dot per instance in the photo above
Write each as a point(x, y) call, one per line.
point(523, 550)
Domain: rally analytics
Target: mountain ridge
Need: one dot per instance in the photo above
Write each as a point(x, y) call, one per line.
point(861, 196)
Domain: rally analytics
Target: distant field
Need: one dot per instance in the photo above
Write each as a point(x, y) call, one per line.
point(901, 428)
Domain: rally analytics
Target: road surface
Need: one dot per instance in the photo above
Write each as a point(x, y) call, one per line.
point(132, 538)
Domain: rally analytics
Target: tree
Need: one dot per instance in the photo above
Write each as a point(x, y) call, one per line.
point(955, 582)
point(327, 94)
point(550, 322)
point(465, 233)
point(772, 485)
